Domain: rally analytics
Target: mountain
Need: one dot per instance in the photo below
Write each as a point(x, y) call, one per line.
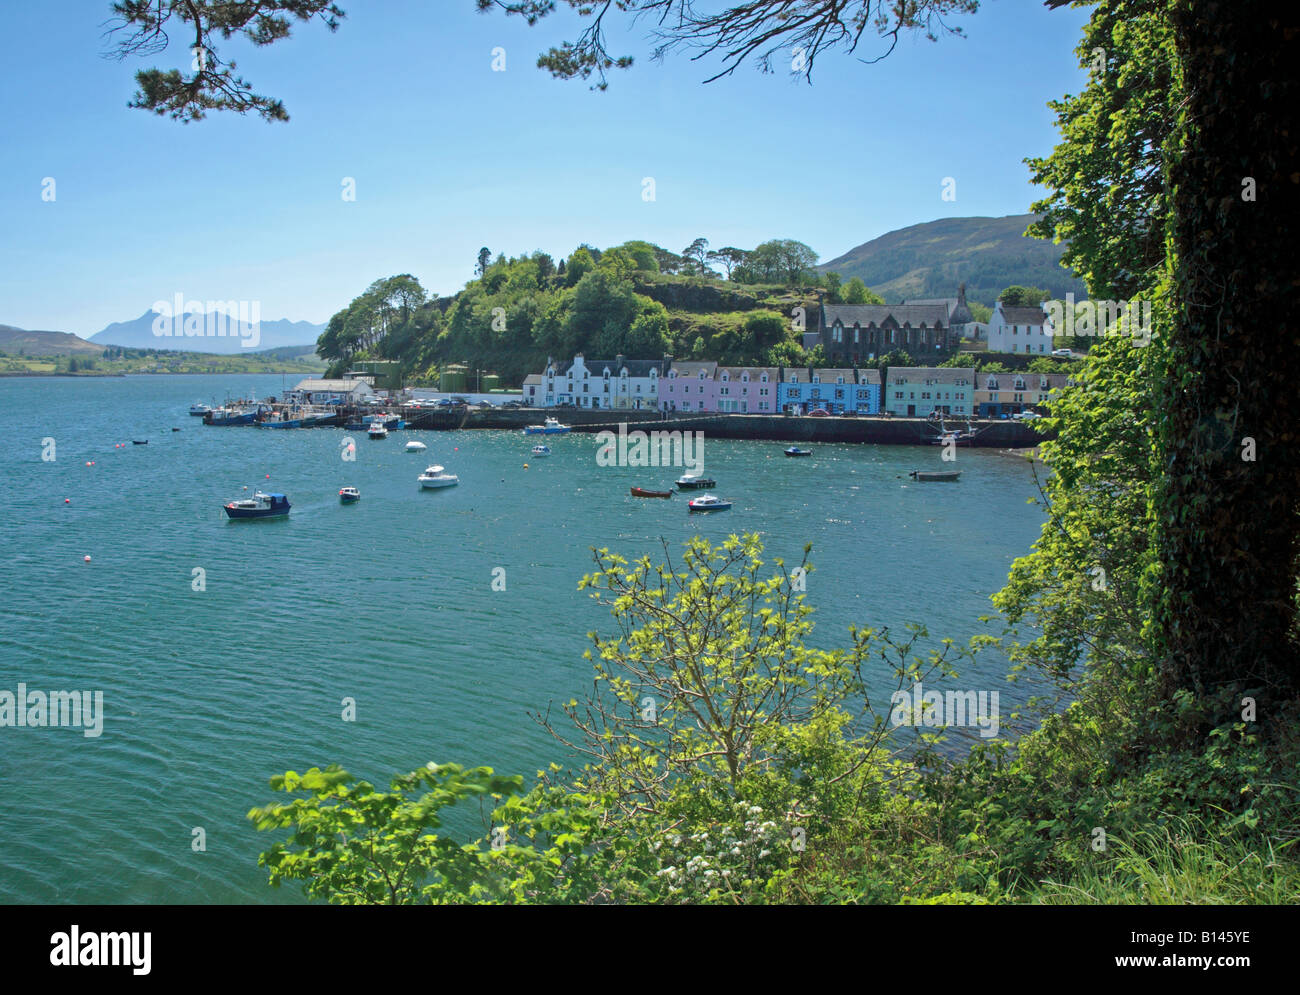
point(139, 334)
point(14, 340)
point(931, 259)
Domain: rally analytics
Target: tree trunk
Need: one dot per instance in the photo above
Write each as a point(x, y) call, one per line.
point(1228, 525)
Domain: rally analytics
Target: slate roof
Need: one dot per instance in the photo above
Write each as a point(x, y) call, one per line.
point(930, 315)
point(1023, 315)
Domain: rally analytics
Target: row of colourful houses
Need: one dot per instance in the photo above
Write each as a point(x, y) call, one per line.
point(701, 386)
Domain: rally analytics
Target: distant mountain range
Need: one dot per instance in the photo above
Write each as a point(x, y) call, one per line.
point(139, 334)
point(931, 259)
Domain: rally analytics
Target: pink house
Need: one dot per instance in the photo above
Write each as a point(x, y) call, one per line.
point(690, 386)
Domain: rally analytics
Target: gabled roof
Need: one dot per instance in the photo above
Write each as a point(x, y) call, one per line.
point(930, 315)
point(634, 367)
point(1023, 315)
point(939, 374)
point(755, 372)
point(532, 380)
point(692, 368)
point(830, 374)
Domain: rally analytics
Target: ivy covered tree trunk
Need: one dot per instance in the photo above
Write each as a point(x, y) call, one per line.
point(1229, 531)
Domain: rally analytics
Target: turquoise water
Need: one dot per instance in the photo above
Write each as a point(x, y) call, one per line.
point(389, 602)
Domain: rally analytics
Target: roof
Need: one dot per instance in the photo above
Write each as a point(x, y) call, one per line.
point(831, 374)
point(634, 367)
point(533, 379)
point(340, 385)
point(939, 374)
point(755, 372)
point(930, 315)
point(693, 367)
point(1023, 315)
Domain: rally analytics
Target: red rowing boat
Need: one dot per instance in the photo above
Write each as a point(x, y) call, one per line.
point(642, 492)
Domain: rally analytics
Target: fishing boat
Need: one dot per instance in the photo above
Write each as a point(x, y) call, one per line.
point(259, 506)
point(139, 442)
point(935, 474)
point(199, 410)
point(709, 502)
point(541, 450)
point(694, 482)
point(550, 427)
point(642, 492)
point(435, 477)
point(377, 430)
point(796, 451)
point(415, 447)
point(349, 495)
point(229, 416)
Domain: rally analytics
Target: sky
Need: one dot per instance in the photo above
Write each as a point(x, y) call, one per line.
point(447, 154)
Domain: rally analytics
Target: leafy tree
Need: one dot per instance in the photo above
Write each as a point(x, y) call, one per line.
point(832, 282)
point(484, 258)
point(644, 256)
point(353, 845)
point(1016, 296)
point(856, 292)
point(697, 254)
point(580, 264)
point(141, 29)
point(728, 257)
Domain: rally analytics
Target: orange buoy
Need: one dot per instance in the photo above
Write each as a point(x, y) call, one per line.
point(67, 500)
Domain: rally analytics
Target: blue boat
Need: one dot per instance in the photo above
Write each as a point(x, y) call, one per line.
point(229, 416)
point(796, 451)
point(259, 506)
point(550, 427)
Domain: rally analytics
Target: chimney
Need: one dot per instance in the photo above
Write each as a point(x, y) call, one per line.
point(618, 362)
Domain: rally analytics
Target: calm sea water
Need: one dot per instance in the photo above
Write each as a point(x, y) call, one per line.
point(389, 602)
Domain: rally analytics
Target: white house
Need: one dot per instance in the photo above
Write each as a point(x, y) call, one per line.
point(917, 391)
point(315, 391)
point(618, 383)
point(1020, 329)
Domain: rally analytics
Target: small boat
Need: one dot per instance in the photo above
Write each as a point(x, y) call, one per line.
point(139, 442)
point(349, 495)
point(377, 430)
point(415, 447)
point(435, 477)
point(199, 410)
point(550, 427)
point(541, 450)
point(175, 429)
point(796, 451)
point(935, 474)
point(709, 502)
point(642, 492)
point(694, 482)
point(259, 506)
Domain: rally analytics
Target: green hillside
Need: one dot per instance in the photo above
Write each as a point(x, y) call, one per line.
point(33, 343)
point(931, 259)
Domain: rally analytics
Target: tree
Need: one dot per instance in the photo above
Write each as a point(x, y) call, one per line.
point(793, 260)
point(213, 86)
point(1017, 296)
point(832, 283)
point(484, 259)
point(856, 292)
point(758, 29)
point(697, 255)
point(728, 257)
point(580, 264)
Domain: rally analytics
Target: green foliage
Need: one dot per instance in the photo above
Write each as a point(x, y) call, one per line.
point(856, 292)
point(1017, 296)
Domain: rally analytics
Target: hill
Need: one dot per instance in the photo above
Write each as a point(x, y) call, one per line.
point(37, 343)
point(138, 333)
point(931, 259)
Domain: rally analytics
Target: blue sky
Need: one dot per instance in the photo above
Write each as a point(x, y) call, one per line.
point(448, 155)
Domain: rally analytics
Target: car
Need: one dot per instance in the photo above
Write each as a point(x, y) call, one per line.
point(819, 413)
point(1067, 353)
point(1026, 415)
point(513, 404)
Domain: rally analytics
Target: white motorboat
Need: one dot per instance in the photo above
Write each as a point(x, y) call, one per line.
point(708, 502)
point(435, 477)
point(550, 427)
point(694, 482)
point(415, 447)
point(377, 430)
point(541, 450)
